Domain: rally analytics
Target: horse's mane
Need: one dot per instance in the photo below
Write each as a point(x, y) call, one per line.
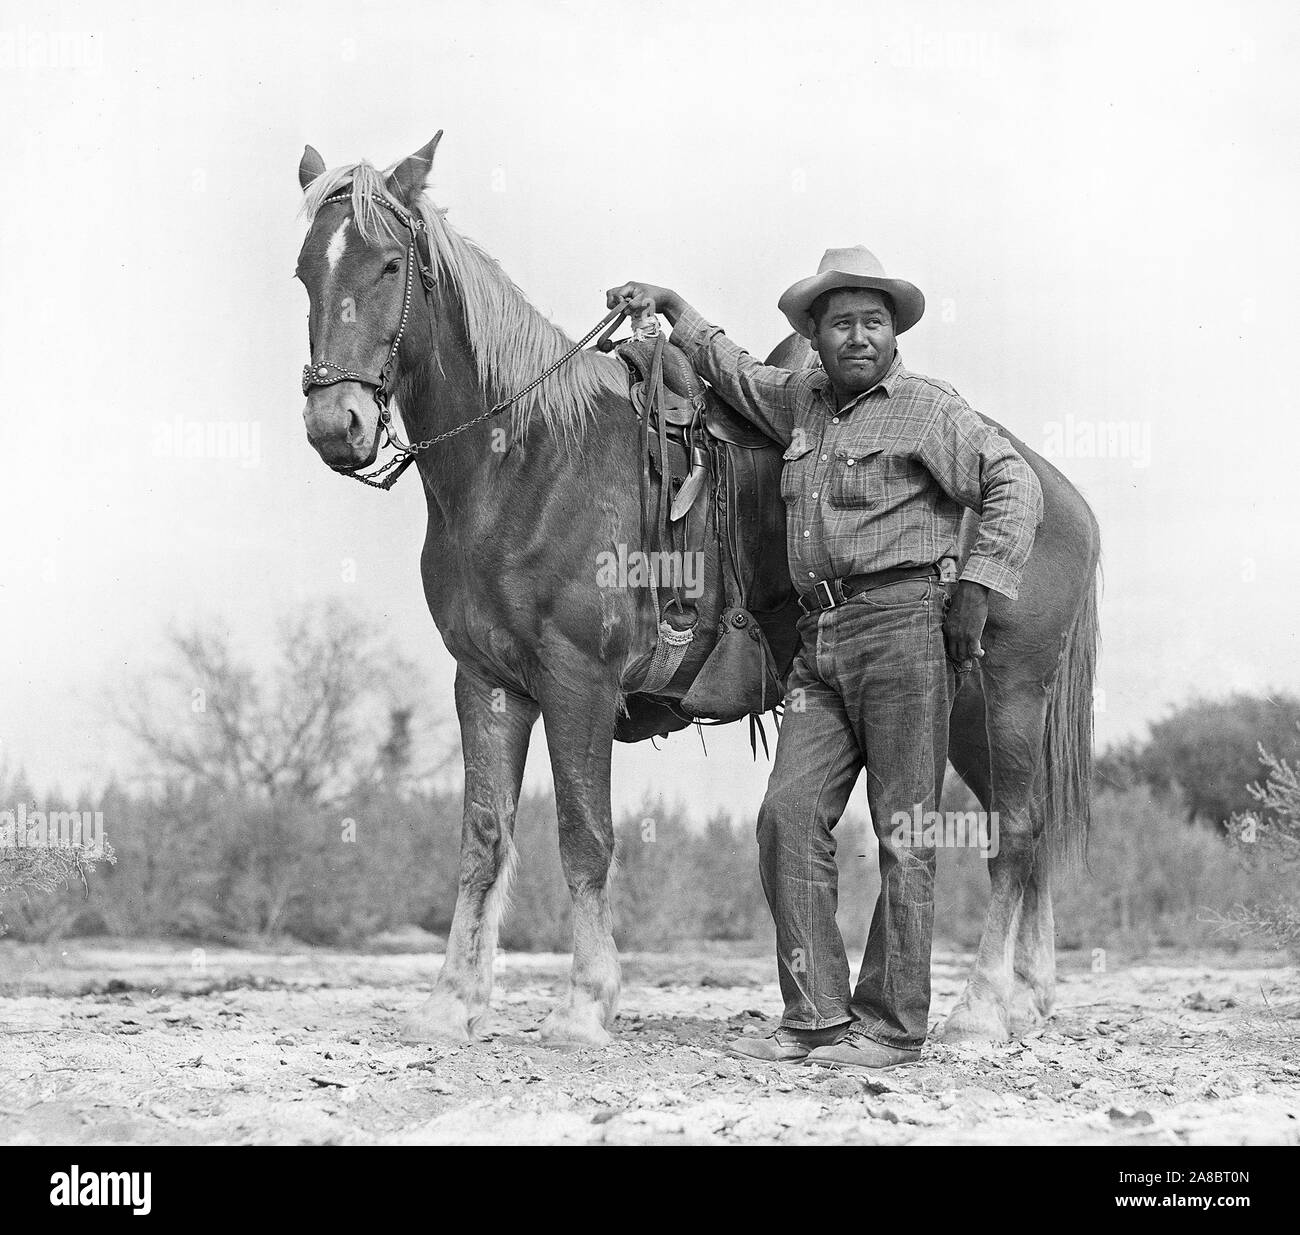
point(511, 341)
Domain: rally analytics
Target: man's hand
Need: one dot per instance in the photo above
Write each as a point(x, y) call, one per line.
point(641, 296)
point(964, 624)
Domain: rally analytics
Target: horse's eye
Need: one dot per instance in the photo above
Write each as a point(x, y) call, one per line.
point(393, 266)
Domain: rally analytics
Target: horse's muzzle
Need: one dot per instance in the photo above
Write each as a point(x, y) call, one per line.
point(337, 429)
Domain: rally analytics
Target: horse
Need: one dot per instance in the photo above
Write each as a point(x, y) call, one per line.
point(519, 512)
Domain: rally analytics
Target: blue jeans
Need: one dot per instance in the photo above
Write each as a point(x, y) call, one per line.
point(871, 687)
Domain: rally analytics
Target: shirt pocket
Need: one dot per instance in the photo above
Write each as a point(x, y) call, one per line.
point(858, 481)
point(794, 466)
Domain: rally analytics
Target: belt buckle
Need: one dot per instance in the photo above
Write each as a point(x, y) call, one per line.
point(826, 595)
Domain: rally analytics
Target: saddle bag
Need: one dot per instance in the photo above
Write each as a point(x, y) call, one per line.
point(739, 676)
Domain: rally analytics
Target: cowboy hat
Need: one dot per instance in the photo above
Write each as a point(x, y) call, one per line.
point(855, 267)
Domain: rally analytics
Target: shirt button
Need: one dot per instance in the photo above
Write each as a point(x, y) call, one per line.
point(823, 458)
point(814, 495)
point(835, 420)
point(807, 533)
point(812, 575)
point(851, 462)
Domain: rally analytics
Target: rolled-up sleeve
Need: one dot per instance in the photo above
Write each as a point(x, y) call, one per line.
point(977, 467)
point(763, 394)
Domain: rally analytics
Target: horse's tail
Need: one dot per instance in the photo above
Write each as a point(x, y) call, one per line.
point(1067, 736)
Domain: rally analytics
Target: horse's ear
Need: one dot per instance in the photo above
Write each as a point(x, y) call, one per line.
point(407, 180)
point(311, 166)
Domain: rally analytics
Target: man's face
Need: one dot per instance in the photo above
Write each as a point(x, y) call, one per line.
point(854, 336)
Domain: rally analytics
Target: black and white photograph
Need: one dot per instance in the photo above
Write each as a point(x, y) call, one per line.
point(611, 574)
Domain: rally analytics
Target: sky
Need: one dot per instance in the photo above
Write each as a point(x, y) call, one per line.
point(1098, 201)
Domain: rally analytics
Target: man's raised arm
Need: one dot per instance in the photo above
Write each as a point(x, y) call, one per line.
point(761, 393)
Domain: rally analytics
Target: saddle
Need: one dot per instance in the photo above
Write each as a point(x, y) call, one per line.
point(711, 490)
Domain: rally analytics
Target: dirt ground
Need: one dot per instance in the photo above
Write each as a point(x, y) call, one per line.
point(130, 1042)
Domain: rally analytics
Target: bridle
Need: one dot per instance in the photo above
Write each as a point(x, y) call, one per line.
point(322, 372)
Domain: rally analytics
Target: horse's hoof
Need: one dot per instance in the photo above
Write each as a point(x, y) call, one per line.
point(974, 1023)
point(575, 1027)
point(1029, 1011)
point(440, 1018)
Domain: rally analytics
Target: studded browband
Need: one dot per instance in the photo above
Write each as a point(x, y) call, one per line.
point(322, 372)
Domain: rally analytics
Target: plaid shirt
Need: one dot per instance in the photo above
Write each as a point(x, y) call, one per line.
point(882, 481)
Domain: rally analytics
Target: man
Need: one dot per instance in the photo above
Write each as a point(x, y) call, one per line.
point(879, 464)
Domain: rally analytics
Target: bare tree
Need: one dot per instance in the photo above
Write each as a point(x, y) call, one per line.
point(333, 712)
point(272, 761)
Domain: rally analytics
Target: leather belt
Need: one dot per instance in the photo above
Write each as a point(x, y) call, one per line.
point(831, 593)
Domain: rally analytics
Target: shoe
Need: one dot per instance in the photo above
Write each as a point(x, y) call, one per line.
point(785, 1045)
point(856, 1050)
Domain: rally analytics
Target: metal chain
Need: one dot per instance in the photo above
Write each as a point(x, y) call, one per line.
point(533, 385)
point(385, 476)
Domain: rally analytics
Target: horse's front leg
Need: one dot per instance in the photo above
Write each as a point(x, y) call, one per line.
point(579, 703)
point(494, 728)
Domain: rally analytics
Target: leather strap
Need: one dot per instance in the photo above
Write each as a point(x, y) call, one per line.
point(671, 644)
point(831, 593)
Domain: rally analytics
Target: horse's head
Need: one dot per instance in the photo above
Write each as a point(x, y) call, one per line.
point(354, 265)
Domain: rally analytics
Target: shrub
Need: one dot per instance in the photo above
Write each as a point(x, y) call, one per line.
point(1268, 844)
point(36, 861)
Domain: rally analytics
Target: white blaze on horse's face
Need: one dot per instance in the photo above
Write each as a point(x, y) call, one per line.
point(355, 288)
point(337, 245)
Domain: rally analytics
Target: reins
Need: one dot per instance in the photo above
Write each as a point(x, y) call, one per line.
point(322, 372)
